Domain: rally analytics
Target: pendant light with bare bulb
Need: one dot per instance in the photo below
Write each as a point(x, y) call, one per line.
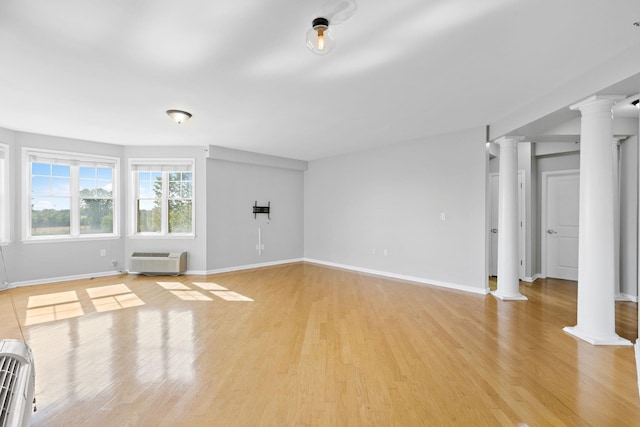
point(319, 38)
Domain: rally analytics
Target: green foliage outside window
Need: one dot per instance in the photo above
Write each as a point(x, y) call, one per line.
point(179, 203)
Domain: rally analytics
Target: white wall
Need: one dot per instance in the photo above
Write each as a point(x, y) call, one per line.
point(232, 190)
point(391, 198)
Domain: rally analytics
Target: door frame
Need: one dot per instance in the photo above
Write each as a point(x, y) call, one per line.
point(543, 215)
point(522, 217)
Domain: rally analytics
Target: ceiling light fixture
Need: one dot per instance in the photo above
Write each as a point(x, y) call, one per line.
point(179, 116)
point(319, 38)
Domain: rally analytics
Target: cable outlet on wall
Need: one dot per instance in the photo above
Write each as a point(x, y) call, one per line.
point(114, 262)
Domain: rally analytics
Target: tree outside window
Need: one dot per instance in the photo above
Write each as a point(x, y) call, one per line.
point(164, 201)
point(96, 200)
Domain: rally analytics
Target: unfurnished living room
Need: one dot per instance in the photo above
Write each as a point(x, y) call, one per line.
point(319, 213)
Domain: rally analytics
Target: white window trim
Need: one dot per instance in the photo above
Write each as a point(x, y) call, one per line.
point(5, 196)
point(74, 159)
point(165, 164)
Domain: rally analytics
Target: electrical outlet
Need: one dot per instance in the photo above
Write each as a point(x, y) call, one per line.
point(103, 252)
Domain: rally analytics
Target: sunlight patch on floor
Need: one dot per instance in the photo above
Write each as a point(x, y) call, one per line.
point(173, 286)
point(210, 286)
point(231, 296)
point(50, 313)
point(104, 291)
point(116, 302)
point(52, 299)
point(191, 295)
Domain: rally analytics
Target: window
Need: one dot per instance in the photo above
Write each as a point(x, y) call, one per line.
point(4, 194)
point(70, 195)
point(163, 197)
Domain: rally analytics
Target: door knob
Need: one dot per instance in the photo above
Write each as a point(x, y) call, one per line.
point(551, 231)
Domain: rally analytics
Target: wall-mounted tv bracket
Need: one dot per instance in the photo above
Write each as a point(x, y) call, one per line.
point(262, 210)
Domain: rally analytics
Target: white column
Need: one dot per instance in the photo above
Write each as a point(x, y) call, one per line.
point(508, 248)
point(596, 294)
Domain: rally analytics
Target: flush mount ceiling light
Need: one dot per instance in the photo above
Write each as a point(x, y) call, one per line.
point(179, 116)
point(319, 38)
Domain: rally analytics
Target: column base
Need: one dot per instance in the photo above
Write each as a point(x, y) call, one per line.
point(622, 297)
point(614, 339)
point(516, 297)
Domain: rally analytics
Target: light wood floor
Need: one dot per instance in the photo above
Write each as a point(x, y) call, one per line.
point(305, 345)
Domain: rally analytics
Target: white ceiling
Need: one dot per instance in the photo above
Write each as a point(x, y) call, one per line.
point(401, 70)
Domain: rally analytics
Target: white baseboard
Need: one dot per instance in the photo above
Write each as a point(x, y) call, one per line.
point(252, 266)
point(627, 297)
point(64, 279)
point(532, 279)
point(414, 279)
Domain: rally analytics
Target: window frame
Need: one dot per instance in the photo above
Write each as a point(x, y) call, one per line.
point(165, 166)
point(75, 161)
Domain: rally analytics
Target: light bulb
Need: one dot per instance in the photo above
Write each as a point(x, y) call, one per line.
point(320, 39)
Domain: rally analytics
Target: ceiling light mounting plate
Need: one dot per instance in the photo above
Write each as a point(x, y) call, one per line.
point(320, 22)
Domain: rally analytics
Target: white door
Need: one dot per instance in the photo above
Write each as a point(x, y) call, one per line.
point(560, 224)
point(493, 262)
point(494, 179)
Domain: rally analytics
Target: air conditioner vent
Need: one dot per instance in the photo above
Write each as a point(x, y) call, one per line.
point(158, 263)
point(9, 367)
point(17, 383)
point(150, 254)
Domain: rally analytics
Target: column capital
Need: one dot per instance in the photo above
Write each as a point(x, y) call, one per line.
point(509, 139)
point(596, 102)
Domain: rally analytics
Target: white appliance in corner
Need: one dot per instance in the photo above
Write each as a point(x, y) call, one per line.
point(17, 384)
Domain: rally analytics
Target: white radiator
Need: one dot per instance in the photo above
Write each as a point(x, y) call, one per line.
point(17, 382)
point(172, 263)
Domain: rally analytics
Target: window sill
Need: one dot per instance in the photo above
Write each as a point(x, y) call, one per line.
point(161, 236)
point(58, 239)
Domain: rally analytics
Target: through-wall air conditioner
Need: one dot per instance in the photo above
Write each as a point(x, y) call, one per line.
point(157, 263)
point(17, 384)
